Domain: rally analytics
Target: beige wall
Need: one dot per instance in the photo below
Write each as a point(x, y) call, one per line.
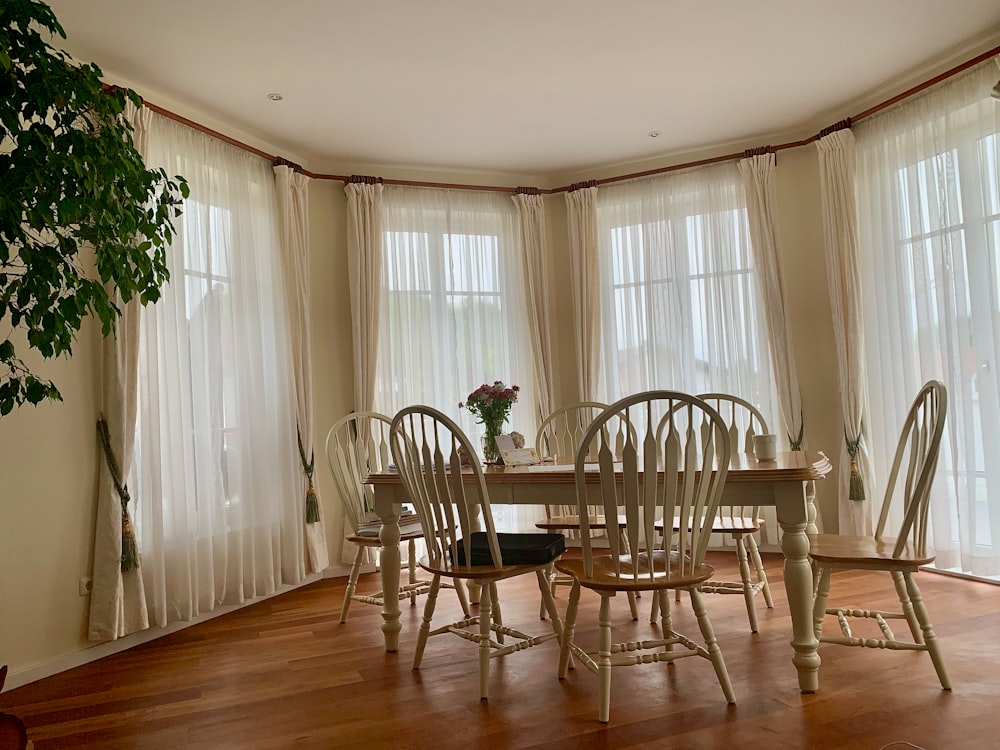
point(48, 454)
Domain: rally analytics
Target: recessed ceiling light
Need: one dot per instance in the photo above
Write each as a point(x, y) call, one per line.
point(653, 133)
point(275, 97)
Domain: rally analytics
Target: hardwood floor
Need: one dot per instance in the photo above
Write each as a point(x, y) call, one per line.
point(285, 674)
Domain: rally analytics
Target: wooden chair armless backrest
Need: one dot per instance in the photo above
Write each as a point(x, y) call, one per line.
point(674, 463)
point(744, 420)
point(356, 446)
point(918, 448)
point(427, 446)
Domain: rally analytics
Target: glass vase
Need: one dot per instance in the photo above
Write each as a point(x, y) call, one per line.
point(491, 454)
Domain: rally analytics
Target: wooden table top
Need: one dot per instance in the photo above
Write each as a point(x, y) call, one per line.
point(787, 467)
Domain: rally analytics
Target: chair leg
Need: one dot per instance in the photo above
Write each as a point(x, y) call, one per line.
point(761, 574)
point(819, 599)
point(714, 652)
point(930, 638)
point(904, 600)
point(463, 600)
point(666, 626)
point(411, 562)
point(425, 624)
point(569, 628)
point(485, 600)
point(654, 608)
point(741, 555)
point(550, 577)
point(494, 609)
point(549, 603)
point(604, 662)
point(352, 583)
point(633, 607)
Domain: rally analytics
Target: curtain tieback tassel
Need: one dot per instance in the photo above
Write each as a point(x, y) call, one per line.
point(309, 468)
point(857, 487)
point(312, 504)
point(130, 548)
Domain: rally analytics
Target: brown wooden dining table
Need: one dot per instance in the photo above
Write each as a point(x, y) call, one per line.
point(780, 483)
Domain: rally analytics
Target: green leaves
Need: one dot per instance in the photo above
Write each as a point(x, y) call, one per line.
point(72, 180)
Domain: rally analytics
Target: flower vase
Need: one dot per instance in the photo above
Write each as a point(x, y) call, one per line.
point(491, 454)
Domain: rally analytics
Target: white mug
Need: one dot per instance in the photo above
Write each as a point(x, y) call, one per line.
point(765, 447)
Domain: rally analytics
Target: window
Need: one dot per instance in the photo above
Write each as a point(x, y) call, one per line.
point(453, 314)
point(452, 308)
point(216, 480)
point(929, 228)
point(679, 296)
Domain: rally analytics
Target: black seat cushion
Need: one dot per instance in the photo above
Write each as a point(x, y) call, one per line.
point(516, 549)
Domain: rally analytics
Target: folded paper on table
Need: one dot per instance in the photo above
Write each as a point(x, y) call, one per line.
point(520, 457)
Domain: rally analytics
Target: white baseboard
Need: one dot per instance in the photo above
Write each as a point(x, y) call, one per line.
point(48, 668)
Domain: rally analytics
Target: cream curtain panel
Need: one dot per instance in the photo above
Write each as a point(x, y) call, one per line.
point(581, 213)
point(840, 234)
point(217, 475)
point(758, 173)
point(364, 267)
point(453, 310)
point(118, 600)
point(364, 259)
point(292, 198)
point(531, 210)
point(929, 227)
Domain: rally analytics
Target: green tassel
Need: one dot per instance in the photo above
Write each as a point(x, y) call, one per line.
point(312, 505)
point(130, 550)
point(857, 491)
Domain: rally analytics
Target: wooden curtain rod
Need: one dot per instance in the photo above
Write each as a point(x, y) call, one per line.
point(607, 180)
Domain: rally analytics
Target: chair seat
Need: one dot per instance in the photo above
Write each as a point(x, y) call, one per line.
point(604, 576)
point(473, 572)
point(725, 525)
point(526, 552)
point(573, 522)
point(368, 535)
point(835, 549)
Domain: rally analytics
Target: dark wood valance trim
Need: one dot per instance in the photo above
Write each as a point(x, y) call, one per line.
point(527, 191)
point(844, 124)
point(360, 179)
point(578, 186)
point(281, 161)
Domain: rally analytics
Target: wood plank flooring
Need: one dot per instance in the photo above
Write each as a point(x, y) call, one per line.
point(285, 674)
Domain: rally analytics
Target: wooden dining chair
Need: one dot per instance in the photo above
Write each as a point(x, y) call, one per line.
point(357, 445)
point(678, 471)
point(558, 438)
point(452, 504)
point(741, 522)
point(909, 487)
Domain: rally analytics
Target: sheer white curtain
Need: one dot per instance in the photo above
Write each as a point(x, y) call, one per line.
point(220, 506)
point(929, 219)
point(680, 299)
point(453, 312)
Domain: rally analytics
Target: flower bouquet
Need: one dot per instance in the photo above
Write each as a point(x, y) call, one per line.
point(491, 404)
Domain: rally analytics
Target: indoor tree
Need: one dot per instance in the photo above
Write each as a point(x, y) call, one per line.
point(80, 215)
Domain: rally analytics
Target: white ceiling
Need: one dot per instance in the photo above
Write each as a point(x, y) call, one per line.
point(521, 86)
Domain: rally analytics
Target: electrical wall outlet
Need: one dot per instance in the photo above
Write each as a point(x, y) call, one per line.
point(86, 586)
